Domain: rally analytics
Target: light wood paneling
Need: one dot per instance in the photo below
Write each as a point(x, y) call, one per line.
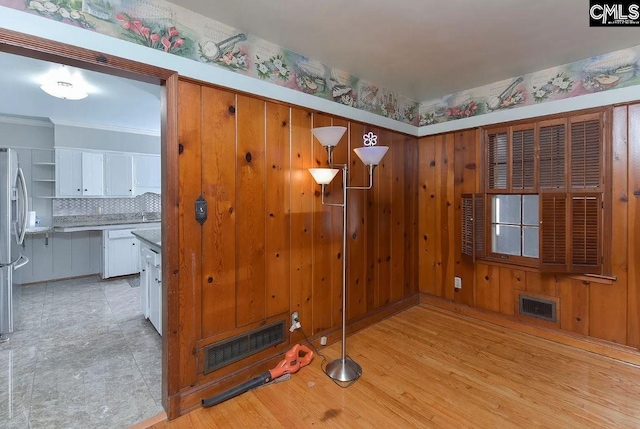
point(356, 238)
point(574, 299)
point(189, 188)
point(250, 216)
point(218, 233)
point(302, 190)
point(445, 228)
point(411, 217)
point(511, 281)
point(488, 287)
point(427, 198)
point(278, 227)
point(496, 383)
point(464, 183)
point(322, 230)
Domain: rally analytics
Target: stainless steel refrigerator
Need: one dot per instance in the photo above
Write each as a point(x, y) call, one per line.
point(14, 208)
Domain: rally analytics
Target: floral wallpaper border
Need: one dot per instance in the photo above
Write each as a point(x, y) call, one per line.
point(160, 25)
point(164, 26)
point(609, 71)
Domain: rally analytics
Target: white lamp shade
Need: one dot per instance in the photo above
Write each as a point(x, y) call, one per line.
point(329, 136)
point(323, 176)
point(371, 155)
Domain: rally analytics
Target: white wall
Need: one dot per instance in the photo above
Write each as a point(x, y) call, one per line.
point(103, 139)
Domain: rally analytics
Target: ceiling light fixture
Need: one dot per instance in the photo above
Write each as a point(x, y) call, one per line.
point(60, 85)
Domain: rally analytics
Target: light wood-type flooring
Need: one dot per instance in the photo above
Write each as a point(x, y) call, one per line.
point(429, 368)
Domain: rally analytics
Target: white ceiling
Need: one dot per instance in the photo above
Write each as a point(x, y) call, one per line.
point(425, 48)
point(112, 101)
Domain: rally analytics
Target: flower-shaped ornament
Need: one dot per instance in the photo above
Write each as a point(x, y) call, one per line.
point(370, 139)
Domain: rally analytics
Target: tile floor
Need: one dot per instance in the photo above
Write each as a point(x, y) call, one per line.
point(81, 356)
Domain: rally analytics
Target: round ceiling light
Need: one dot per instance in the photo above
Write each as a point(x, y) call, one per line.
point(64, 90)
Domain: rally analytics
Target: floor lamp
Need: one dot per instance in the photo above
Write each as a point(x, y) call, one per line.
point(345, 368)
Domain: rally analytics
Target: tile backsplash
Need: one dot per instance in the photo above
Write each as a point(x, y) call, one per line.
point(145, 203)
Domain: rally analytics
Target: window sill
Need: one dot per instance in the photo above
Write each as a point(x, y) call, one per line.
point(591, 278)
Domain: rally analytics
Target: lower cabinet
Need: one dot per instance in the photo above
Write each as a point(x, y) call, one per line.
point(120, 253)
point(151, 285)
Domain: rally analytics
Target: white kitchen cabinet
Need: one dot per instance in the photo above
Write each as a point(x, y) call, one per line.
point(121, 255)
point(78, 173)
point(151, 285)
point(146, 174)
point(119, 174)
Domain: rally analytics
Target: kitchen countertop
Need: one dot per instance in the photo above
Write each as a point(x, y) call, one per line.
point(152, 237)
point(104, 222)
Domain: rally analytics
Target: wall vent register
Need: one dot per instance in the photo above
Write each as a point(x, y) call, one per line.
point(236, 348)
point(538, 308)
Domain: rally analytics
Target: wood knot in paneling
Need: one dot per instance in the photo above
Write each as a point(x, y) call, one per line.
point(232, 109)
point(248, 157)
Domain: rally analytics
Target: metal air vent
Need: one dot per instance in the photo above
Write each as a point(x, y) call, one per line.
point(233, 349)
point(538, 308)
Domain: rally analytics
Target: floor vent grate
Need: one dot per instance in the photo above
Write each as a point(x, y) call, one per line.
point(538, 308)
point(233, 349)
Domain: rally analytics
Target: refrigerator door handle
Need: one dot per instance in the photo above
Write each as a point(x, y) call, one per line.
point(25, 205)
point(24, 262)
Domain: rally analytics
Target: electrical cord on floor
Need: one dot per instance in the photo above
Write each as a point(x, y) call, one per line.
point(324, 360)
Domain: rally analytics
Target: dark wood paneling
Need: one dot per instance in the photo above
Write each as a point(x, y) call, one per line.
point(633, 235)
point(397, 159)
point(218, 232)
point(189, 189)
point(302, 190)
point(445, 250)
point(383, 203)
point(411, 216)
point(250, 214)
point(278, 227)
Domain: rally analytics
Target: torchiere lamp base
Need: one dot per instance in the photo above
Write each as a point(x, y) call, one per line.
point(343, 369)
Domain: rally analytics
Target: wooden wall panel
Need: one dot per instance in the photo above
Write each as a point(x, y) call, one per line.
point(383, 200)
point(608, 303)
point(540, 284)
point(445, 256)
point(511, 281)
point(427, 231)
point(303, 188)
point(218, 233)
point(372, 231)
point(277, 219)
point(634, 226)
point(322, 230)
point(464, 183)
point(340, 156)
point(396, 154)
point(574, 301)
point(356, 238)
point(488, 287)
point(411, 216)
point(189, 136)
point(250, 215)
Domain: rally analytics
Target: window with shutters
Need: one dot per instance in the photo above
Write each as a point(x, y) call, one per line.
point(545, 192)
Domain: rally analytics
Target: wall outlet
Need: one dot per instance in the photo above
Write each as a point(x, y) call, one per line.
point(457, 282)
point(294, 318)
point(323, 341)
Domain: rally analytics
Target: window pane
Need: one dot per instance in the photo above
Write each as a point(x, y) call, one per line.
point(530, 242)
point(530, 209)
point(506, 209)
point(506, 239)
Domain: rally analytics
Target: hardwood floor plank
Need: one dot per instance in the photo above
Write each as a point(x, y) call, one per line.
point(435, 369)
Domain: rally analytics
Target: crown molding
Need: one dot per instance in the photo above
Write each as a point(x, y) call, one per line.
point(32, 122)
point(105, 127)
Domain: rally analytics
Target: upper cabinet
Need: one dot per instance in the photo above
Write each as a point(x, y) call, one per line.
point(85, 173)
point(146, 173)
point(119, 174)
point(78, 173)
